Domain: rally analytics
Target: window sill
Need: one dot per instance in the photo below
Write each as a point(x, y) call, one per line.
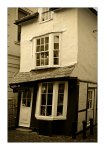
point(46, 21)
point(50, 117)
point(45, 67)
point(17, 42)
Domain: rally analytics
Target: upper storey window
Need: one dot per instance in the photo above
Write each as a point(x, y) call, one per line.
point(46, 14)
point(47, 50)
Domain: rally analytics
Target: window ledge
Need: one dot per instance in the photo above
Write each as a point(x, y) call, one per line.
point(50, 117)
point(45, 67)
point(46, 21)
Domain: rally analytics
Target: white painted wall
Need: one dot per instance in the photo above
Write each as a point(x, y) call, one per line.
point(64, 21)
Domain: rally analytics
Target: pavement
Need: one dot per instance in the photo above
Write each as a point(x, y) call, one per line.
point(30, 136)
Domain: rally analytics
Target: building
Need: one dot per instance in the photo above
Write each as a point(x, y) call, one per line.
point(14, 34)
point(57, 81)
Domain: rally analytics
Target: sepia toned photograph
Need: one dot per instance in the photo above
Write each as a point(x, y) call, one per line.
point(52, 74)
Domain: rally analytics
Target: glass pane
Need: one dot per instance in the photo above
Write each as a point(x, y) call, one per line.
point(56, 45)
point(49, 111)
point(24, 95)
point(42, 47)
point(46, 47)
point(56, 54)
point(56, 39)
point(28, 94)
point(42, 55)
point(42, 62)
point(28, 102)
point(59, 110)
point(38, 42)
point(60, 99)
point(43, 111)
point(38, 49)
point(37, 56)
point(46, 61)
point(23, 102)
point(49, 99)
point(46, 39)
point(42, 40)
point(44, 87)
point(43, 99)
point(37, 62)
point(46, 54)
point(61, 88)
point(56, 61)
point(50, 87)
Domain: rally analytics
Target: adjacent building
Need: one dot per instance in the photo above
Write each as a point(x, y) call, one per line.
point(57, 80)
point(14, 34)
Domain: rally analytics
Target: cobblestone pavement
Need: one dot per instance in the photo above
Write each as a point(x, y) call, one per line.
point(24, 136)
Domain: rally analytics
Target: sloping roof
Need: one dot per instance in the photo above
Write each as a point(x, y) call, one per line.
point(27, 18)
point(35, 75)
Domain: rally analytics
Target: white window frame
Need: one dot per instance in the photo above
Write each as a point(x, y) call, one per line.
point(51, 50)
point(47, 12)
point(54, 102)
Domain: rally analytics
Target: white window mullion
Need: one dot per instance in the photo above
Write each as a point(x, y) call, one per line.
point(55, 97)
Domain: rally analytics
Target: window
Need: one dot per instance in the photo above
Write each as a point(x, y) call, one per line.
point(46, 14)
point(26, 98)
point(90, 98)
point(52, 100)
point(56, 50)
point(47, 50)
point(21, 14)
point(42, 51)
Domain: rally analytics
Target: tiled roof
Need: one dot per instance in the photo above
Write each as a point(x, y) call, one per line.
point(41, 74)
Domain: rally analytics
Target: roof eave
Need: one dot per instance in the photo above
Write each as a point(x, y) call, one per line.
point(26, 18)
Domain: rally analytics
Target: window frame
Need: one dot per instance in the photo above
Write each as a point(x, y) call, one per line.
point(46, 12)
point(50, 50)
point(54, 115)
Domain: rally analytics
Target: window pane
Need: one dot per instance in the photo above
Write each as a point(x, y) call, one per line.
point(43, 99)
point(56, 54)
point(49, 111)
point(46, 61)
point(49, 99)
point(42, 40)
point(38, 49)
point(28, 94)
point(46, 54)
point(23, 102)
point(42, 47)
point(43, 110)
point(44, 87)
point(46, 39)
point(37, 62)
point(60, 99)
point(37, 56)
point(24, 95)
point(56, 45)
point(42, 55)
point(61, 88)
point(46, 47)
point(59, 110)
point(38, 42)
point(28, 102)
point(56, 61)
point(56, 39)
point(42, 62)
point(50, 87)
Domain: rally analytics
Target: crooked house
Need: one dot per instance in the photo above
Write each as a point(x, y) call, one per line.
point(57, 80)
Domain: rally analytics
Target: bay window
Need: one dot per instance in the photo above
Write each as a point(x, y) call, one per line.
point(52, 100)
point(47, 50)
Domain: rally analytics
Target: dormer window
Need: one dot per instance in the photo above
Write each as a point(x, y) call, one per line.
point(46, 14)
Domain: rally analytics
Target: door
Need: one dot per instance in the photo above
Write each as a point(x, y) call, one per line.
point(25, 108)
